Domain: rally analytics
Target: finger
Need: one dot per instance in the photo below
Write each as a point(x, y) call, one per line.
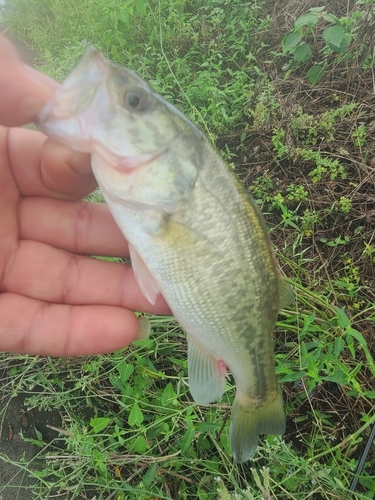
point(80, 227)
point(44, 168)
point(45, 273)
point(33, 327)
point(66, 171)
point(23, 89)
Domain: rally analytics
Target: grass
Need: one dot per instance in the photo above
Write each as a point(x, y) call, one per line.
point(304, 148)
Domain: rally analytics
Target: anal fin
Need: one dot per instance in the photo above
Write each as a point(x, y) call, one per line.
point(206, 374)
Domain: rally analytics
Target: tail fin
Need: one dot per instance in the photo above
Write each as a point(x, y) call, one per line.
point(248, 422)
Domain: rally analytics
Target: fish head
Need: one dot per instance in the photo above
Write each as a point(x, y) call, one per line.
point(144, 151)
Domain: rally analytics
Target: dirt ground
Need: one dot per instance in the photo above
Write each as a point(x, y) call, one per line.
point(20, 427)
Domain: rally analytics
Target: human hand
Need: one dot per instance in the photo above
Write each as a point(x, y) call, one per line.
point(54, 299)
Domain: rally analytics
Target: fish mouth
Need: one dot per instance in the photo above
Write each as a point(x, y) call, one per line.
point(127, 164)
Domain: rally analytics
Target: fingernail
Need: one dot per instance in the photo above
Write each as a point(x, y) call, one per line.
point(144, 328)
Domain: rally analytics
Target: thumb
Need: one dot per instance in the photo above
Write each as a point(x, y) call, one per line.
point(23, 90)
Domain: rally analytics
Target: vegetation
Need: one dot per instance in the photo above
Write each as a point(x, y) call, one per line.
point(286, 90)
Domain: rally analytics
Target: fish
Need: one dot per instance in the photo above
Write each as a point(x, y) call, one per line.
point(195, 235)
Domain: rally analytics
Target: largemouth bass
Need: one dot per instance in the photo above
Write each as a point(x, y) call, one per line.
point(195, 235)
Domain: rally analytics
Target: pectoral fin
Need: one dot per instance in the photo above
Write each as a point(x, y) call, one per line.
point(144, 278)
point(285, 292)
point(206, 374)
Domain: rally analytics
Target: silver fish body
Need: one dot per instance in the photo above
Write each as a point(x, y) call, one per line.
point(195, 235)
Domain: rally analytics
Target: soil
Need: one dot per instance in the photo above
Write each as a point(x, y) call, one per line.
point(20, 429)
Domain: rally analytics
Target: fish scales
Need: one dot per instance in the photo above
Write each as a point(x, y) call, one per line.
point(194, 235)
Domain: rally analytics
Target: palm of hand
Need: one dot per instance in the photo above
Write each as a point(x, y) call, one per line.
point(53, 298)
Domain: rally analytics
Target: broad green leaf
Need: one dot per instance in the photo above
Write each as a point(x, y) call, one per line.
point(315, 74)
point(125, 369)
point(100, 423)
point(330, 18)
point(138, 445)
point(309, 19)
point(342, 318)
point(339, 346)
point(115, 381)
point(317, 9)
point(206, 426)
point(141, 7)
point(357, 335)
point(123, 16)
point(290, 41)
point(187, 439)
point(135, 416)
point(302, 53)
point(168, 396)
point(149, 476)
point(334, 35)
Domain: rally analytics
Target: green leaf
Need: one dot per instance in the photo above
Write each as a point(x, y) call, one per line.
point(125, 369)
point(292, 377)
point(338, 378)
point(123, 16)
point(99, 423)
point(187, 439)
point(135, 416)
point(169, 396)
point(290, 41)
point(206, 426)
point(334, 35)
point(149, 476)
point(309, 19)
point(315, 74)
point(330, 18)
point(342, 318)
point(138, 445)
point(141, 7)
point(357, 335)
point(303, 53)
point(339, 346)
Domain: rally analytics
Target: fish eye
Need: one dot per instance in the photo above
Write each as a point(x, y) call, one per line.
point(137, 99)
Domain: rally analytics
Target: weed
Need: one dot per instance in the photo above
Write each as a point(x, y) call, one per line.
point(261, 188)
point(277, 141)
point(296, 193)
point(324, 166)
point(310, 219)
point(312, 129)
point(345, 204)
point(369, 251)
point(337, 37)
point(359, 136)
